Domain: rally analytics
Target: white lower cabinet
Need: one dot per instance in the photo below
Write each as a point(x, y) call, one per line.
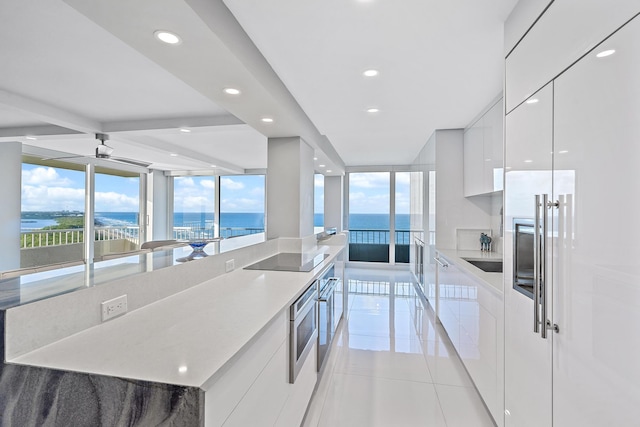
point(255, 391)
point(472, 314)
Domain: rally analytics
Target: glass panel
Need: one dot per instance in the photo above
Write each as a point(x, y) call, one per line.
point(117, 212)
point(52, 217)
point(369, 221)
point(241, 205)
point(403, 217)
point(318, 200)
point(193, 207)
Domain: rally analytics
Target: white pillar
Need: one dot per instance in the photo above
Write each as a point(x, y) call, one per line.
point(11, 175)
point(289, 188)
point(158, 206)
point(333, 197)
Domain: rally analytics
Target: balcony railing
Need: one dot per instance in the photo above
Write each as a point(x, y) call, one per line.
point(40, 238)
point(373, 245)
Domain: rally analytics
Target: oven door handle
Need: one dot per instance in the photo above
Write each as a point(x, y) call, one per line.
point(328, 290)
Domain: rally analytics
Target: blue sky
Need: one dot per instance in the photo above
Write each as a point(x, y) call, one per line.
point(51, 189)
point(369, 192)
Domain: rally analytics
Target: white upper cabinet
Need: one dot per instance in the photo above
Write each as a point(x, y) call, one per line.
point(568, 30)
point(483, 153)
point(473, 160)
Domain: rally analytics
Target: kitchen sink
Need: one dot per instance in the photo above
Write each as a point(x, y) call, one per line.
point(486, 265)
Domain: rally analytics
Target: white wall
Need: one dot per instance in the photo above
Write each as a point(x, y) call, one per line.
point(333, 197)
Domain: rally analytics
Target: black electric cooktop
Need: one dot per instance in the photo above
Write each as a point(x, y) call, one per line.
point(288, 262)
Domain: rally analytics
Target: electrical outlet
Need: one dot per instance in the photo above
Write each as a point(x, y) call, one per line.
point(114, 307)
point(229, 265)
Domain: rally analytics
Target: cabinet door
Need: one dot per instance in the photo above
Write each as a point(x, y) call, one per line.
point(596, 378)
point(493, 148)
point(473, 160)
point(528, 165)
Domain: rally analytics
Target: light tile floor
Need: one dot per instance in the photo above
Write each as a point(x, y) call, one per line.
point(391, 365)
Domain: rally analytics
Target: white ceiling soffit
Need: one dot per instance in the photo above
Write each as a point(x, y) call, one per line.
point(64, 78)
point(440, 63)
point(215, 53)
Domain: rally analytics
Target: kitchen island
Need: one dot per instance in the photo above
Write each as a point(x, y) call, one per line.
point(157, 364)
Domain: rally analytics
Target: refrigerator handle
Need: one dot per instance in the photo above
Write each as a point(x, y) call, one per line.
point(536, 265)
point(543, 266)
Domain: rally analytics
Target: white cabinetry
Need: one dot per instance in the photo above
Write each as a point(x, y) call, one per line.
point(255, 389)
point(565, 32)
point(578, 144)
point(483, 153)
point(471, 312)
point(445, 207)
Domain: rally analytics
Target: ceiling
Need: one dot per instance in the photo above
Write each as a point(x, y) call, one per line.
point(74, 68)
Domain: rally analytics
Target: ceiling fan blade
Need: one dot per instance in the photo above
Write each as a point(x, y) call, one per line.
point(131, 161)
point(66, 157)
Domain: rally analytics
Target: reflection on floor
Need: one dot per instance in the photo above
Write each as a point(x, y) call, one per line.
point(390, 365)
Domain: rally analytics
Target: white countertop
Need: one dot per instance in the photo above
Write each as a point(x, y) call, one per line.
point(495, 280)
point(186, 338)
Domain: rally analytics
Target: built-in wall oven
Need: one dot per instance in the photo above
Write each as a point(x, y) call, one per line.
point(303, 333)
point(330, 310)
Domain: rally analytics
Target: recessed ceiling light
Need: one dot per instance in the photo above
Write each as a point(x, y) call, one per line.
point(532, 101)
point(185, 130)
point(173, 155)
point(563, 151)
point(31, 138)
point(371, 73)
point(167, 37)
point(328, 170)
point(214, 166)
point(321, 166)
point(231, 91)
point(528, 161)
point(315, 158)
point(267, 120)
point(606, 53)
point(373, 110)
point(182, 369)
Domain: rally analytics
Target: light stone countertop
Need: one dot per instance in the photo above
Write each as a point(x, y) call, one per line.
point(184, 339)
point(494, 280)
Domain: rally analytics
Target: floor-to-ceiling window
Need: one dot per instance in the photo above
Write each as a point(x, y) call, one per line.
point(379, 215)
point(194, 207)
point(369, 216)
point(116, 212)
point(318, 200)
point(241, 205)
point(52, 217)
point(402, 216)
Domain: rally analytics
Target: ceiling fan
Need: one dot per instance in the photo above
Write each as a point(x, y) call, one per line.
point(103, 151)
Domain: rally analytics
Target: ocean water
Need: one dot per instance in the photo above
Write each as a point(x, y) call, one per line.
point(227, 220)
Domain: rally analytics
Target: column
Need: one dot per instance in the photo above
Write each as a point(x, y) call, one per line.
point(333, 202)
point(289, 188)
point(10, 174)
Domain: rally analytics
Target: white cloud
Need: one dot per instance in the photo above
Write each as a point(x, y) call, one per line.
point(115, 202)
point(230, 184)
point(208, 183)
point(44, 176)
point(183, 181)
point(41, 198)
point(369, 180)
point(318, 180)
